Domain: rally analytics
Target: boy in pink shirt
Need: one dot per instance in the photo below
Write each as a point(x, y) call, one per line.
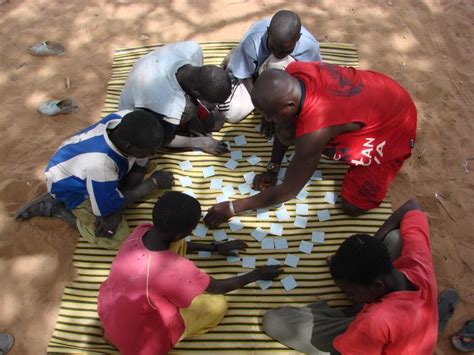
point(154, 296)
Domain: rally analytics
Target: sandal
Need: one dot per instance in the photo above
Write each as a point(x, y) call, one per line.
point(447, 302)
point(58, 107)
point(42, 206)
point(6, 343)
point(47, 48)
point(463, 340)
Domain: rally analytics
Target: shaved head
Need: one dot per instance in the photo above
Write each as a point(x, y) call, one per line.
point(285, 26)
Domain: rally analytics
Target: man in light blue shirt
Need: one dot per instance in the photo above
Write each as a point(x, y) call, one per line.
point(269, 43)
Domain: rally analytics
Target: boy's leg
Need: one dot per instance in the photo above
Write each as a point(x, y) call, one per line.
point(205, 312)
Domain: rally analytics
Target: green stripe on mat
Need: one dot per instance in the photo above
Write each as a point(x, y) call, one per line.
point(78, 328)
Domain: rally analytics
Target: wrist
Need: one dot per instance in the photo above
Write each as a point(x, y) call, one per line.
point(232, 208)
point(273, 167)
point(214, 247)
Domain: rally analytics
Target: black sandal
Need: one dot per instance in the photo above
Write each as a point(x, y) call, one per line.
point(447, 302)
point(463, 340)
point(42, 206)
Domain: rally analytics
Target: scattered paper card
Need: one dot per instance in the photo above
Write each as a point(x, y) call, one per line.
point(302, 195)
point(280, 243)
point(258, 127)
point(233, 259)
point(317, 175)
point(200, 230)
point(301, 222)
point(254, 160)
point(235, 225)
point(276, 229)
point(208, 171)
point(254, 192)
point(258, 234)
point(317, 237)
point(219, 235)
point(189, 193)
point(330, 198)
point(306, 247)
point(324, 215)
point(231, 164)
point(222, 198)
point(188, 238)
point(216, 184)
point(236, 154)
point(302, 209)
point(249, 262)
point(281, 173)
point(292, 260)
point(228, 190)
point(272, 261)
point(267, 243)
point(244, 188)
point(185, 181)
point(240, 140)
point(249, 177)
point(289, 283)
point(282, 215)
point(263, 214)
point(185, 165)
point(204, 254)
point(264, 284)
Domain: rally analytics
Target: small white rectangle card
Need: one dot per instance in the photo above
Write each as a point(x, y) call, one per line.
point(200, 230)
point(317, 175)
point(280, 243)
point(219, 235)
point(236, 154)
point(267, 243)
point(204, 254)
point(240, 140)
point(222, 198)
point(272, 261)
point(301, 222)
point(235, 225)
point(282, 215)
point(330, 198)
point(244, 188)
point(228, 190)
point(289, 283)
point(317, 237)
point(233, 259)
point(254, 160)
point(264, 284)
point(185, 181)
point(292, 260)
point(231, 164)
point(258, 234)
point(302, 209)
point(216, 184)
point(281, 173)
point(263, 214)
point(276, 229)
point(248, 177)
point(306, 247)
point(302, 195)
point(324, 215)
point(249, 262)
point(185, 165)
point(189, 193)
point(208, 171)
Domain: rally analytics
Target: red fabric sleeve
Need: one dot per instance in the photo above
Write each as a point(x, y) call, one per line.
point(415, 234)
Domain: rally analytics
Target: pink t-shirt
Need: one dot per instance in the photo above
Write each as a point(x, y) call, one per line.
point(139, 302)
point(404, 322)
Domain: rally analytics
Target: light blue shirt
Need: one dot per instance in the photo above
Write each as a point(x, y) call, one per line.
point(252, 50)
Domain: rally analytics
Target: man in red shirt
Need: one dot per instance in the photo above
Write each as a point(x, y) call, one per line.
point(362, 118)
point(392, 275)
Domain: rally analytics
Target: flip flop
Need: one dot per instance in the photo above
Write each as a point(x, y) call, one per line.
point(463, 340)
point(47, 48)
point(6, 343)
point(42, 206)
point(447, 302)
point(58, 107)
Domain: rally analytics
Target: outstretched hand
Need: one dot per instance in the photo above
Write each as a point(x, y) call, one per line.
point(264, 180)
point(211, 145)
point(268, 272)
point(106, 226)
point(231, 248)
point(218, 214)
point(162, 179)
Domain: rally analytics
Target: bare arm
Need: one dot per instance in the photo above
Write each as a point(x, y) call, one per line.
point(207, 144)
point(393, 222)
point(248, 83)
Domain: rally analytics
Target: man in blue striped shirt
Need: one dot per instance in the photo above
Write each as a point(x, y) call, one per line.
point(96, 173)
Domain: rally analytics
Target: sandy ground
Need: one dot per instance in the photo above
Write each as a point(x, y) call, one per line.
point(426, 45)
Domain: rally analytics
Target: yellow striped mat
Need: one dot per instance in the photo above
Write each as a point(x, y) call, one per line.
point(78, 328)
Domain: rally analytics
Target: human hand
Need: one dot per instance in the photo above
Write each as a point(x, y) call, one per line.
point(231, 248)
point(162, 179)
point(218, 214)
point(106, 226)
point(211, 145)
point(264, 180)
point(268, 272)
point(267, 128)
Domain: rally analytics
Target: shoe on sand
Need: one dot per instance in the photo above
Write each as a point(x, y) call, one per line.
point(58, 107)
point(6, 343)
point(47, 48)
point(463, 340)
point(447, 302)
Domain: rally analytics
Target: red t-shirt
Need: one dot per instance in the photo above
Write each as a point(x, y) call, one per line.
point(139, 302)
point(403, 322)
point(338, 95)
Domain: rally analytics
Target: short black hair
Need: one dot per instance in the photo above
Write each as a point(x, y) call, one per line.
point(213, 84)
point(176, 213)
point(141, 129)
point(361, 259)
point(285, 25)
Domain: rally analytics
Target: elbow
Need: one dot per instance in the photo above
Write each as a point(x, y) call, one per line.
point(413, 204)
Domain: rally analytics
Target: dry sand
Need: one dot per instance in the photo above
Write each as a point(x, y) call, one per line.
point(425, 45)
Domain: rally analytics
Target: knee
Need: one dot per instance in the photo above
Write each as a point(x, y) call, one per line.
point(350, 209)
point(219, 308)
point(272, 323)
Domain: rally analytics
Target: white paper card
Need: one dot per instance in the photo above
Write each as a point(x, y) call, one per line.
point(188, 238)
point(267, 243)
point(233, 259)
point(306, 247)
point(219, 235)
point(272, 261)
point(263, 214)
point(249, 262)
point(204, 254)
point(244, 188)
point(249, 177)
point(292, 260)
point(228, 190)
point(289, 283)
point(222, 198)
point(281, 173)
point(231, 164)
point(317, 237)
point(236, 154)
point(240, 140)
point(254, 192)
point(280, 243)
point(185, 181)
point(258, 234)
point(254, 160)
point(282, 215)
point(185, 165)
point(200, 230)
point(302, 195)
point(317, 175)
point(208, 172)
point(301, 222)
point(276, 229)
point(302, 209)
point(324, 215)
point(216, 184)
point(264, 284)
point(189, 193)
point(235, 225)
point(258, 127)
point(330, 198)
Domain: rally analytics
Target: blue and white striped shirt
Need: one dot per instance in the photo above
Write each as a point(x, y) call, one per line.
point(89, 165)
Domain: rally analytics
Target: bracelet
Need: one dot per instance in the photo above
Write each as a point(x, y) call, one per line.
point(154, 181)
point(231, 208)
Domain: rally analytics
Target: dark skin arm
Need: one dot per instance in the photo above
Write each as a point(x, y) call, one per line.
point(230, 248)
point(134, 177)
point(233, 283)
